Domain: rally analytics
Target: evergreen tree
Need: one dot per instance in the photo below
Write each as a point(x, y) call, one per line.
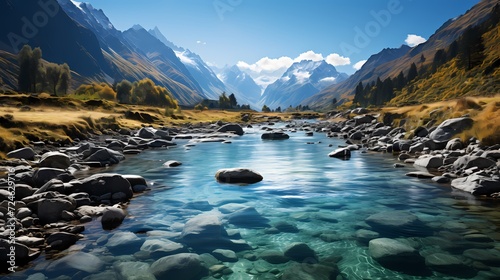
point(471, 48)
point(400, 81)
point(387, 91)
point(224, 101)
point(452, 51)
point(24, 57)
point(35, 61)
point(412, 72)
point(232, 101)
point(439, 59)
point(65, 81)
point(359, 93)
point(265, 109)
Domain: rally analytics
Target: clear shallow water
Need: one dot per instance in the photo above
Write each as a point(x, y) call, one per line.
point(326, 198)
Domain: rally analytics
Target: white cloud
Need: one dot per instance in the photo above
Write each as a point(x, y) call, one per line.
point(413, 40)
point(301, 76)
point(201, 42)
point(337, 60)
point(328, 80)
point(267, 64)
point(267, 70)
point(309, 55)
point(359, 64)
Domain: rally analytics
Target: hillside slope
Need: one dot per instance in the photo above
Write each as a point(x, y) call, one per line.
point(442, 38)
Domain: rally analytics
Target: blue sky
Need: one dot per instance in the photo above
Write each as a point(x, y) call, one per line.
point(264, 37)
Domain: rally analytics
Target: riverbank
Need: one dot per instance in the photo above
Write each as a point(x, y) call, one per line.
point(26, 119)
point(54, 196)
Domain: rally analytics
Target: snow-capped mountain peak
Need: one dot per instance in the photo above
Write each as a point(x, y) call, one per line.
point(302, 80)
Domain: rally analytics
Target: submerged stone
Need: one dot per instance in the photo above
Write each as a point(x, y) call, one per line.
point(396, 255)
point(274, 257)
point(300, 252)
point(450, 265)
point(397, 223)
point(185, 266)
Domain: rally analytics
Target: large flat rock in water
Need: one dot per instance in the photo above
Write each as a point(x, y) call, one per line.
point(397, 223)
point(396, 255)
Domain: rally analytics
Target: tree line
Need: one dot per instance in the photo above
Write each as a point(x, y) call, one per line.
point(225, 102)
point(36, 75)
point(467, 51)
point(143, 92)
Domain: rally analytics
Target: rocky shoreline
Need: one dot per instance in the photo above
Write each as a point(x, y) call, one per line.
point(47, 195)
point(434, 150)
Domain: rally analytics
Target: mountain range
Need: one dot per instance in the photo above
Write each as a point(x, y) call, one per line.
point(302, 80)
point(84, 37)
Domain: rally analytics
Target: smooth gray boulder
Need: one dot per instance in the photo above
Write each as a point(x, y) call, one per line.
point(275, 136)
point(50, 210)
point(225, 255)
point(358, 135)
point(397, 223)
point(396, 255)
point(23, 153)
point(79, 261)
point(112, 217)
point(454, 144)
point(159, 143)
point(44, 174)
point(247, 217)
point(273, 257)
point(477, 184)
point(381, 131)
point(163, 134)
point(135, 180)
point(62, 240)
point(429, 162)
point(466, 162)
point(158, 248)
point(235, 128)
point(185, 266)
point(146, 133)
point(238, 176)
point(486, 256)
point(123, 243)
point(449, 128)
point(300, 252)
point(417, 147)
point(359, 120)
point(100, 184)
point(342, 153)
point(449, 264)
point(310, 271)
point(364, 236)
point(55, 160)
point(133, 271)
point(203, 228)
point(104, 155)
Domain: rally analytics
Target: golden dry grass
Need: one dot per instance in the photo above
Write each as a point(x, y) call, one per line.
point(62, 119)
point(485, 111)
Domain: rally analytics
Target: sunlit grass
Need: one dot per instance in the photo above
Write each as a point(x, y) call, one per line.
point(485, 111)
